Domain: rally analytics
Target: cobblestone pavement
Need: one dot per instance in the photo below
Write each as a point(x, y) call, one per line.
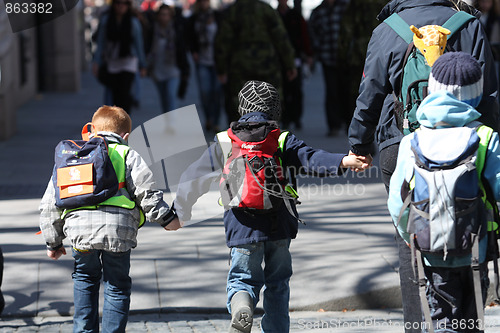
point(358, 321)
point(353, 321)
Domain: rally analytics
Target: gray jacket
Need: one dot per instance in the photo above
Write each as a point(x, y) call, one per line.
point(106, 228)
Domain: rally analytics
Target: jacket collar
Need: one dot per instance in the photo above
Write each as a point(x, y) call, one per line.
point(112, 137)
point(396, 6)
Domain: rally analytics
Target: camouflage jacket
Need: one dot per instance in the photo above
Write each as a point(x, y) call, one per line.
point(252, 39)
point(358, 22)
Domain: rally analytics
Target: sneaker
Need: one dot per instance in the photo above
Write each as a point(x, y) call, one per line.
point(241, 313)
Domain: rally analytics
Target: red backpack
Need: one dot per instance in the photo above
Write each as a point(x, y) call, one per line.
point(253, 177)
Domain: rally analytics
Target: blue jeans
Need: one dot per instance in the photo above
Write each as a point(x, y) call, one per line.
point(167, 90)
point(210, 93)
point(114, 268)
point(246, 274)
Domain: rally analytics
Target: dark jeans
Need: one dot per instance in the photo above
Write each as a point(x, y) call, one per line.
point(210, 93)
point(121, 85)
point(409, 290)
point(450, 293)
point(331, 104)
point(293, 100)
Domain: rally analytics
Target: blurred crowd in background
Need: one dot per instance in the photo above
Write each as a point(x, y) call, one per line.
point(226, 42)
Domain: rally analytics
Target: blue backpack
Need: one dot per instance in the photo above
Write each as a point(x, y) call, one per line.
point(83, 173)
point(447, 215)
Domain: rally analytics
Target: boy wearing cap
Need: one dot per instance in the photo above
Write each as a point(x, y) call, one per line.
point(254, 238)
point(455, 89)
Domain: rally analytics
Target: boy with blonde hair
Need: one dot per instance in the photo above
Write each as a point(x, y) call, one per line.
point(103, 235)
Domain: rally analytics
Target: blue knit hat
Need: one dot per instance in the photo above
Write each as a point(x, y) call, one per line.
point(460, 74)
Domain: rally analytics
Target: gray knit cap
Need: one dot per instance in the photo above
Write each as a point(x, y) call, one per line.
point(259, 96)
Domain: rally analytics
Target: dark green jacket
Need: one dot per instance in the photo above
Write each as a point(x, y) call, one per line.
point(252, 40)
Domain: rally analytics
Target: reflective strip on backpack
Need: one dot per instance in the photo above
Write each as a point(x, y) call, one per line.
point(225, 145)
point(484, 132)
point(117, 154)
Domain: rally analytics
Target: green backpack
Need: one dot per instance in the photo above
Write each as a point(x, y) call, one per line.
point(416, 71)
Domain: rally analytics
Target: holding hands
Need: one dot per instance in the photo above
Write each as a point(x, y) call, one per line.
point(56, 254)
point(174, 225)
point(357, 162)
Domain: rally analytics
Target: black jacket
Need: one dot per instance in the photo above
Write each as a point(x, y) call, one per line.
point(373, 117)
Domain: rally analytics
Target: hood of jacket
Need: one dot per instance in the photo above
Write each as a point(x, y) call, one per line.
point(395, 6)
point(112, 137)
point(441, 109)
point(254, 117)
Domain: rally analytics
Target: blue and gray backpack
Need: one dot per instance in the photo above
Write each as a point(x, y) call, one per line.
point(447, 214)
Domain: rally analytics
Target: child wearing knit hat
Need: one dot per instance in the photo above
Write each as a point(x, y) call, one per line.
point(258, 236)
point(455, 89)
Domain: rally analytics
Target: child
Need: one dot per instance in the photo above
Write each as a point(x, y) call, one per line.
point(252, 236)
point(455, 89)
point(102, 237)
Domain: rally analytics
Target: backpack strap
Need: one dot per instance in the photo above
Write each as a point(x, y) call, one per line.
point(290, 188)
point(454, 23)
point(476, 277)
point(282, 140)
point(422, 282)
point(457, 21)
point(225, 144)
point(400, 27)
point(485, 133)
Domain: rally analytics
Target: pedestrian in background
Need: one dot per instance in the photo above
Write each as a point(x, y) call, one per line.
point(168, 64)
point(358, 21)
point(120, 52)
point(203, 26)
point(298, 33)
point(374, 114)
point(251, 44)
point(324, 26)
point(490, 18)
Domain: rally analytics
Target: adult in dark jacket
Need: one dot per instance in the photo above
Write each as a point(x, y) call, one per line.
point(374, 114)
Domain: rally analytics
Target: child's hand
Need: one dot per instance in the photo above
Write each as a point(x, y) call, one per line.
point(56, 254)
point(174, 225)
point(356, 162)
